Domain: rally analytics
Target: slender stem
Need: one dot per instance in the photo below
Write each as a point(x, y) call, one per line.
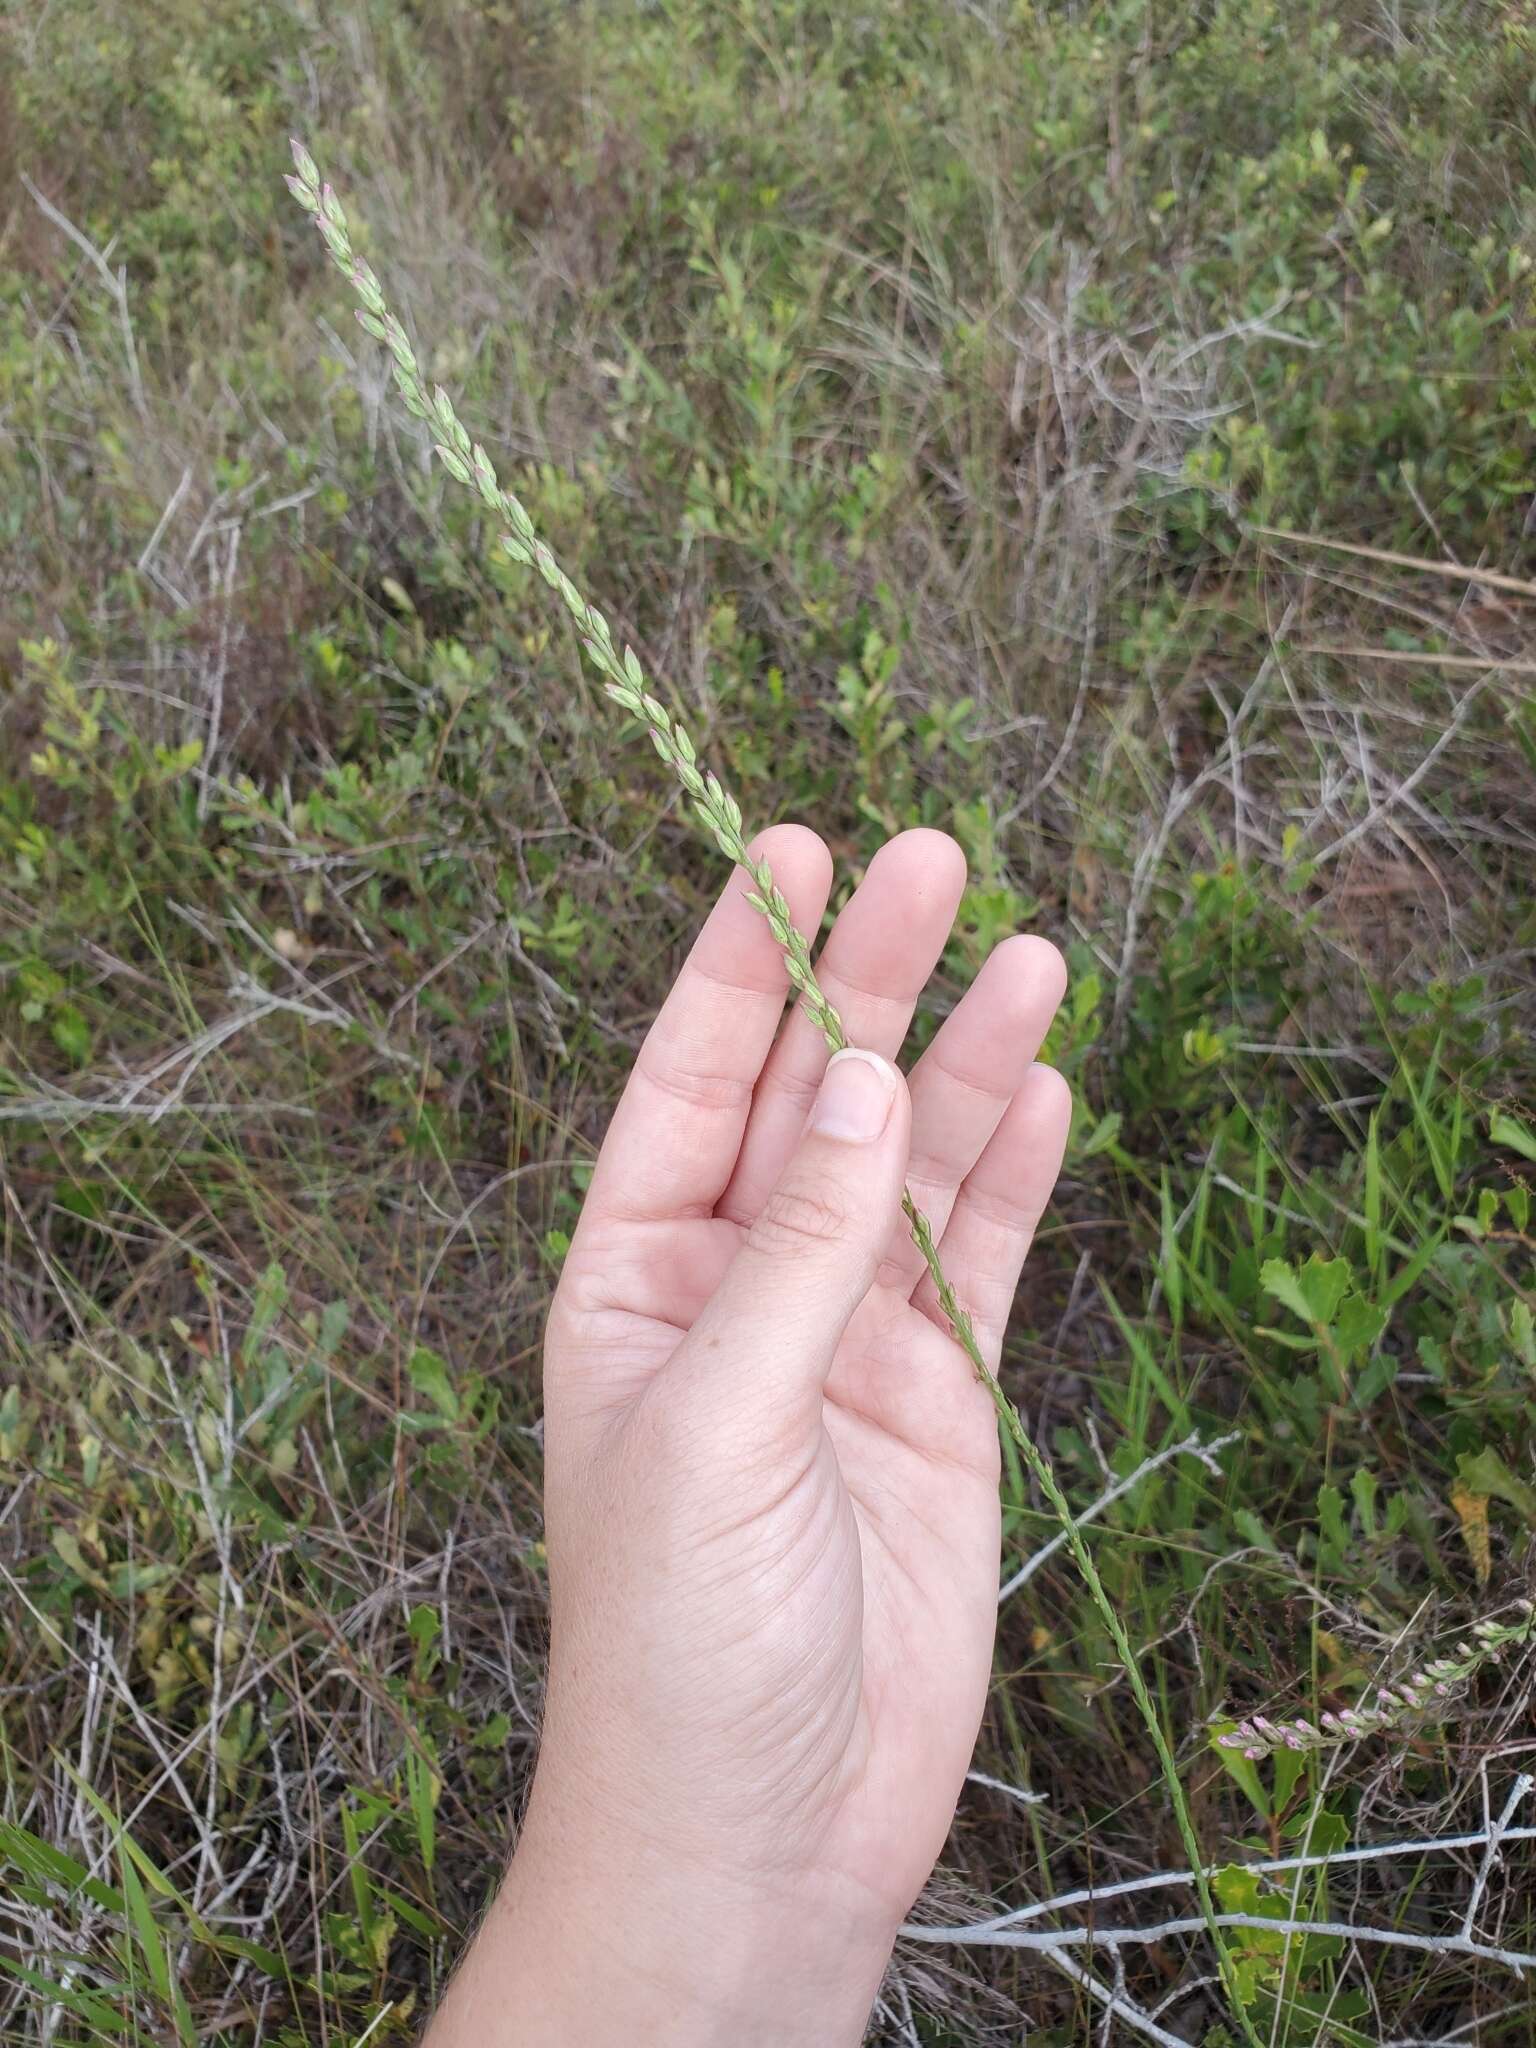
point(720, 814)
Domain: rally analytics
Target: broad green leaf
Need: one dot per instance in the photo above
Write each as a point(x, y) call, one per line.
point(429, 1376)
point(1486, 1472)
point(1330, 1517)
point(1366, 1490)
point(1288, 1766)
point(66, 1546)
point(1322, 1833)
point(1325, 1282)
point(1358, 1325)
point(1278, 1277)
point(1249, 1526)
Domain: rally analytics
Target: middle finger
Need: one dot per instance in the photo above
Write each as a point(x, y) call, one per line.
point(872, 969)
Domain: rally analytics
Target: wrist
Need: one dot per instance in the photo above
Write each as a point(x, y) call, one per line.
point(600, 1946)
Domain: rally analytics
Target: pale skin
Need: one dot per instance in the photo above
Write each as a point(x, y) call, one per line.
point(771, 1483)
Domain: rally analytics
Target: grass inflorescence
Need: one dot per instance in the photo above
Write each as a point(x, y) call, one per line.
point(721, 816)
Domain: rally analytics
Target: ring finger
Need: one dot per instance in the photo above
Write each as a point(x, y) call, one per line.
point(964, 1082)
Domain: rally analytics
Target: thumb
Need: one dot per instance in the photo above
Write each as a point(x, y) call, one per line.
point(774, 1323)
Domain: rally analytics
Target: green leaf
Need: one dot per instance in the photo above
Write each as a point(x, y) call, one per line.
point(1286, 1337)
point(88, 2007)
point(1238, 1890)
point(1323, 1833)
point(130, 1577)
point(1102, 1136)
point(1288, 1766)
point(66, 1547)
point(1511, 1133)
point(1358, 1325)
point(1253, 1530)
point(333, 1326)
point(414, 1917)
point(1325, 1282)
point(1169, 1268)
point(40, 1859)
point(1486, 1472)
point(146, 1930)
point(1278, 1277)
point(429, 1376)
point(423, 1785)
point(1375, 1380)
point(1330, 1517)
point(357, 1872)
point(267, 1305)
point(1373, 1237)
point(1366, 1490)
point(1240, 1769)
point(71, 1033)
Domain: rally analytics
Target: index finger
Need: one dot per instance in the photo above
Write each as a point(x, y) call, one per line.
point(675, 1135)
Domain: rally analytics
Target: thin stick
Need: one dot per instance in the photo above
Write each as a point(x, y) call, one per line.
point(1193, 1446)
point(1116, 2005)
point(1477, 662)
point(624, 681)
point(1019, 1792)
point(1498, 1834)
point(1381, 806)
point(1049, 1941)
point(1454, 570)
point(1159, 1880)
point(115, 283)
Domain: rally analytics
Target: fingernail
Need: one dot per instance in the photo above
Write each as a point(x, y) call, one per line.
point(855, 1100)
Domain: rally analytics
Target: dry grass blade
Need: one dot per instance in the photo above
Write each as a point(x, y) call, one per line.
point(1413, 659)
point(1456, 571)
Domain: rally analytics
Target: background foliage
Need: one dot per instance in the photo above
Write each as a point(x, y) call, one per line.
point(935, 392)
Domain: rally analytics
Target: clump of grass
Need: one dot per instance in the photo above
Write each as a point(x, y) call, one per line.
point(720, 813)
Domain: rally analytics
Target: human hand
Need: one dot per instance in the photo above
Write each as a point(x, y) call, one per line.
point(772, 1482)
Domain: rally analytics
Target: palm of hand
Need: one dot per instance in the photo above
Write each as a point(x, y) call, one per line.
point(810, 1585)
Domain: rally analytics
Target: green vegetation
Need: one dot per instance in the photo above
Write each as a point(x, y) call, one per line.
point(933, 394)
